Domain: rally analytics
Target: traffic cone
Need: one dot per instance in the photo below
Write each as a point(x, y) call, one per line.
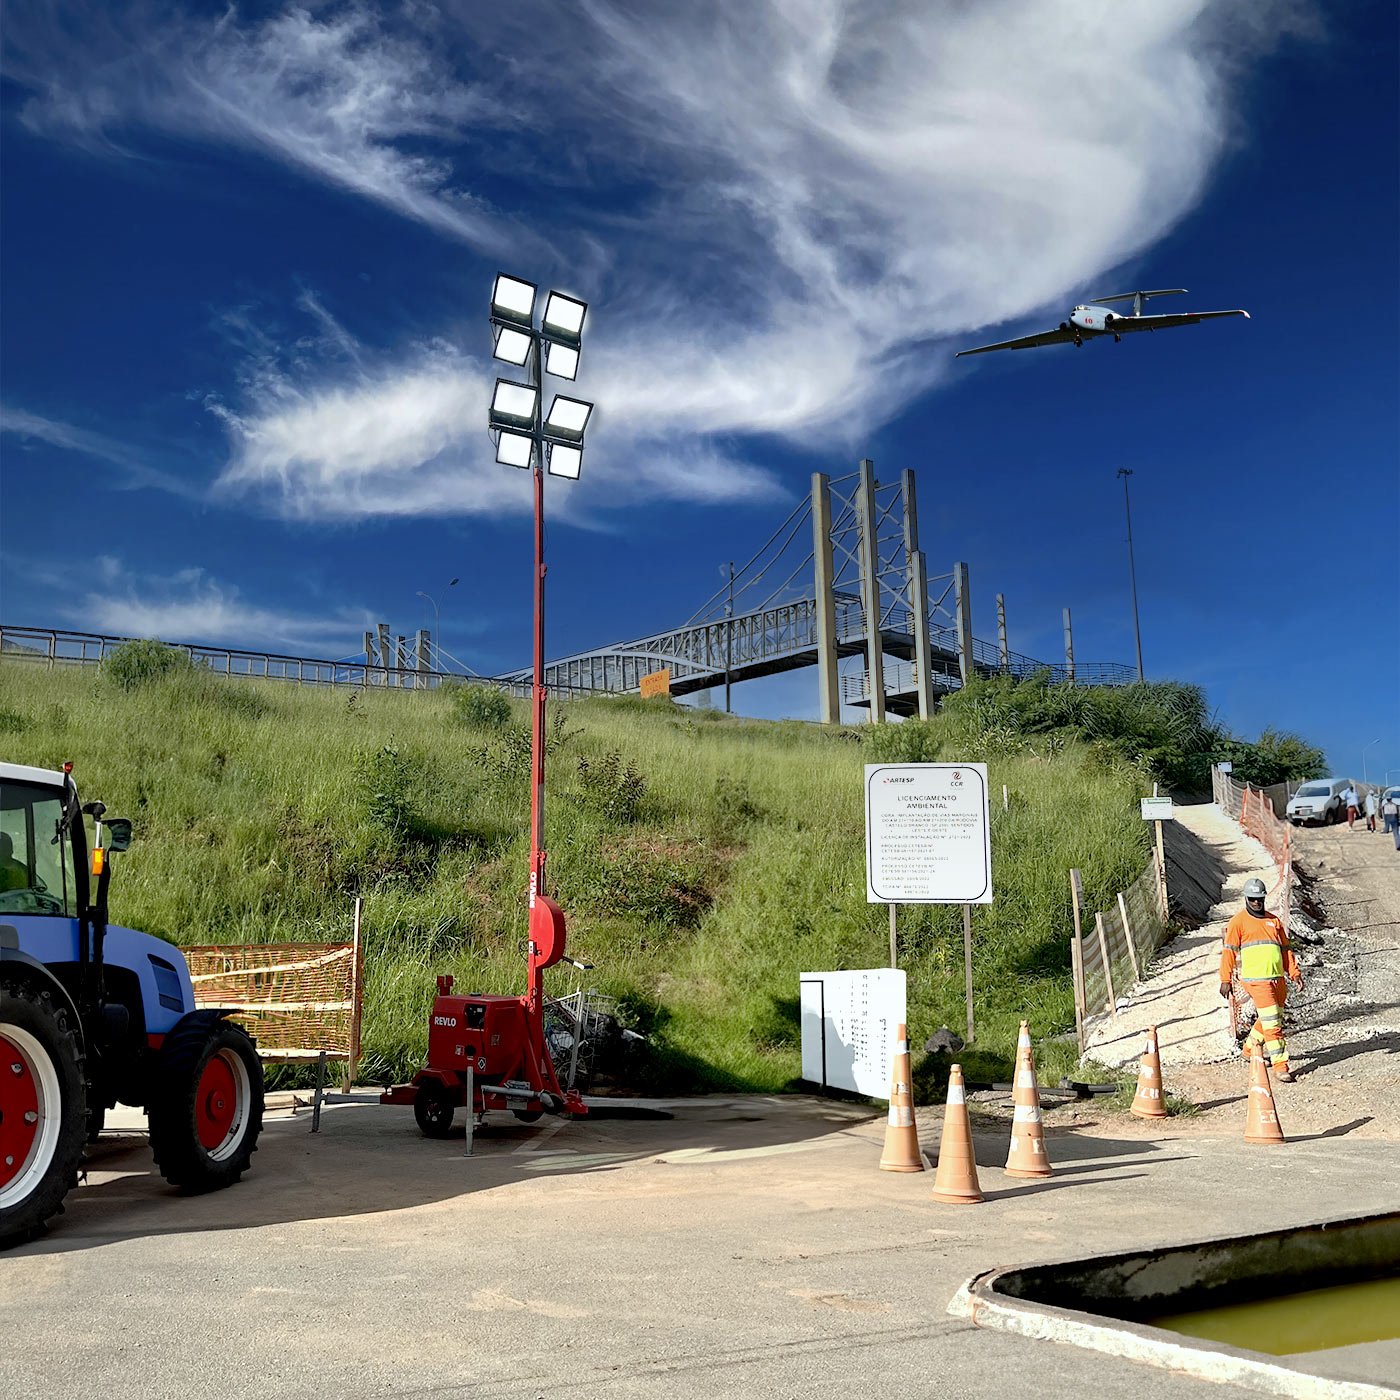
point(1261, 1122)
point(901, 1152)
point(956, 1180)
point(1027, 1156)
point(1148, 1101)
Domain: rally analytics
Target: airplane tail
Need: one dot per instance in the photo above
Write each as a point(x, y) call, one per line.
point(1137, 298)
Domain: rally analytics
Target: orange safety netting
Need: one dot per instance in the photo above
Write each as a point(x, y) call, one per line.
point(1258, 819)
point(296, 999)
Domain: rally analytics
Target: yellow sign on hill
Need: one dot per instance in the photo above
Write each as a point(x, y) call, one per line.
point(658, 683)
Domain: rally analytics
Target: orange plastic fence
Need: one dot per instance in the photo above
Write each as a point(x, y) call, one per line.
point(1257, 817)
point(296, 999)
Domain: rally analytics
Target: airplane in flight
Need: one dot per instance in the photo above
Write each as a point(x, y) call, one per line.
point(1094, 319)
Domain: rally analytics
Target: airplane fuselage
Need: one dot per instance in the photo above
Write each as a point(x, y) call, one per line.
point(1094, 320)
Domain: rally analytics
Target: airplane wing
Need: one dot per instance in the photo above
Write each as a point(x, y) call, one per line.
point(1028, 342)
point(1122, 325)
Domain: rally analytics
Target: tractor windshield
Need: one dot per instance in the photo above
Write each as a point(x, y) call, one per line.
point(35, 856)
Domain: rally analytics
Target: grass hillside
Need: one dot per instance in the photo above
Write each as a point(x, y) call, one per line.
point(703, 861)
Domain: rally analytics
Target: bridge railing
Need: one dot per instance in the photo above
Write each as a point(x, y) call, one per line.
point(47, 646)
point(900, 677)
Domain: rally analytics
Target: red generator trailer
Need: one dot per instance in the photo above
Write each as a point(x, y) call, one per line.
point(492, 1048)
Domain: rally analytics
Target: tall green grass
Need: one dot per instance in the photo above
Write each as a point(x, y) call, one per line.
point(703, 862)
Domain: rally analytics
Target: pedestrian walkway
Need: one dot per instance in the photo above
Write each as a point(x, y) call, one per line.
point(1180, 995)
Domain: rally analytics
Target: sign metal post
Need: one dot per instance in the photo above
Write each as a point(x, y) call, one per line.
point(928, 841)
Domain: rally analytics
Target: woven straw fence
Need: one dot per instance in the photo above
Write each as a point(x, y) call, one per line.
point(296, 999)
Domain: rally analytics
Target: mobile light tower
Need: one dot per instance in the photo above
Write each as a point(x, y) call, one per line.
point(535, 441)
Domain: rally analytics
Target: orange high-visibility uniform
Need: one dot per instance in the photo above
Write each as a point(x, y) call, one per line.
point(1260, 947)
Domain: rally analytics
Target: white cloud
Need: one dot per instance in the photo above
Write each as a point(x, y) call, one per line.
point(22, 424)
point(832, 194)
point(191, 606)
point(330, 91)
point(135, 472)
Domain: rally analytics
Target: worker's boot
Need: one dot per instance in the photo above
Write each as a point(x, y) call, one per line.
point(1283, 1074)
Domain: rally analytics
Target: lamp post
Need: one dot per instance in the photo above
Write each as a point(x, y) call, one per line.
point(1364, 750)
point(437, 617)
point(1125, 473)
point(537, 442)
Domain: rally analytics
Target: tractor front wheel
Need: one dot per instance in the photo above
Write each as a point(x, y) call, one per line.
point(433, 1109)
point(207, 1108)
point(43, 1103)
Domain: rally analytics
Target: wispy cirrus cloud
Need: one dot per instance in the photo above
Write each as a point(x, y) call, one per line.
point(328, 90)
point(783, 212)
point(135, 470)
point(192, 606)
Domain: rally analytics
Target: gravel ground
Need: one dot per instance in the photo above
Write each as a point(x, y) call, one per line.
point(1343, 1030)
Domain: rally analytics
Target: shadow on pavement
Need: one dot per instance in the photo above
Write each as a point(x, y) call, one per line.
point(1341, 1130)
point(369, 1159)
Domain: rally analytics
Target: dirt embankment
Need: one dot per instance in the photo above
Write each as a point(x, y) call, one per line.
point(1343, 1030)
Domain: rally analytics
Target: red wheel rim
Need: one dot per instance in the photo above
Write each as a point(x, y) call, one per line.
point(216, 1103)
point(19, 1111)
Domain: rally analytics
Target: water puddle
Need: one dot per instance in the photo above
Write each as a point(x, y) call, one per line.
point(1317, 1320)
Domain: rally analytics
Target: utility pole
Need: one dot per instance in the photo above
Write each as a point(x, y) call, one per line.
point(728, 636)
point(828, 695)
point(1125, 473)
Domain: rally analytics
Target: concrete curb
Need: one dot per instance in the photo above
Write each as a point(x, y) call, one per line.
point(1149, 1345)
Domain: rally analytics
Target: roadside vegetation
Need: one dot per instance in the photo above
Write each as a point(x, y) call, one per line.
point(703, 861)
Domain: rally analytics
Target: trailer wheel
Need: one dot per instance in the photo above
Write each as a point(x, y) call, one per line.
point(207, 1108)
point(433, 1109)
point(43, 1103)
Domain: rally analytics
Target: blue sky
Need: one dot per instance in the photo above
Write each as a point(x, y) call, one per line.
point(244, 362)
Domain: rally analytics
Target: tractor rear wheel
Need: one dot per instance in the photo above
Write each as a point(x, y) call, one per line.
point(207, 1108)
point(433, 1109)
point(43, 1107)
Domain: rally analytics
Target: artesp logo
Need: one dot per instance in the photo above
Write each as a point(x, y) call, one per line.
point(896, 780)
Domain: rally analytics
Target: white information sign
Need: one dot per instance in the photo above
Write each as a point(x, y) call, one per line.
point(927, 834)
point(1157, 809)
point(849, 1022)
point(1226, 767)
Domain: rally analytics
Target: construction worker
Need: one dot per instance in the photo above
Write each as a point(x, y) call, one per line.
point(1256, 945)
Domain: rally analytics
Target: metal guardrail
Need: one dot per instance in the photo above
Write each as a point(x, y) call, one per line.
point(55, 647)
point(764, 642)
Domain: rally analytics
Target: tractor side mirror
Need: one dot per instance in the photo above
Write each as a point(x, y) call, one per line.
point(118, 833)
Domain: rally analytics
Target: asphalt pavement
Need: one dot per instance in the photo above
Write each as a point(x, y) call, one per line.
point(743, 1247)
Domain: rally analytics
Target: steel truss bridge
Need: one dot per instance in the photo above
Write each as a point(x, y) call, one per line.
point(863, 546)
point(853, 584)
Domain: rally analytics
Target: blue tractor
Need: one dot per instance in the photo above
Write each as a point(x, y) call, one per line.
point(92, 1015)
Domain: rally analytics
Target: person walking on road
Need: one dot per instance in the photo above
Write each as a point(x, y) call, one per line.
point(1256, 946)
point(1352, 803)
point(1390, 815)
point(1371, 807)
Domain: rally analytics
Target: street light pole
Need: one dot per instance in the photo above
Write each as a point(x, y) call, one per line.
point(1369, 746)
point(437, 617)
point(1125, 473)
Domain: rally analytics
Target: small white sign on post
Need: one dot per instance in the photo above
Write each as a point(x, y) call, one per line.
point(1226, 767)
point(1157, 809)
point(849, 1022)
point(927, 834)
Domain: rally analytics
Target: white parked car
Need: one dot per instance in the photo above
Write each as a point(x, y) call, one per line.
point(1319, 801)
